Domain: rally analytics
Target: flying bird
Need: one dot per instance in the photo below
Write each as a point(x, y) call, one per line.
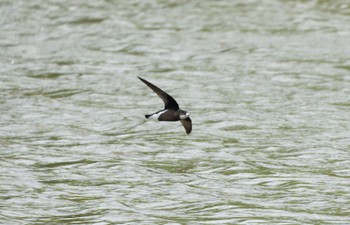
point(171, 111)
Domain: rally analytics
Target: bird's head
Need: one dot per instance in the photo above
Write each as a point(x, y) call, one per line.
point(184, 114)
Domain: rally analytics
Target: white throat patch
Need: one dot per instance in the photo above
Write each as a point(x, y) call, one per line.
point(182, 117)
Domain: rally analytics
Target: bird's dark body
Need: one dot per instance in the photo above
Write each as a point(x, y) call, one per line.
point(171, 111)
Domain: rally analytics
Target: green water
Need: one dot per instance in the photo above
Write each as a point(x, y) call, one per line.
point(266, 82)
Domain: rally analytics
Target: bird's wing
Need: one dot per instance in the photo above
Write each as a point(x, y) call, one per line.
point(169, 101)
point(187, 123)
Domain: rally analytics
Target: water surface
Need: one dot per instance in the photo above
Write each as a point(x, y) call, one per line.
point(266, 83)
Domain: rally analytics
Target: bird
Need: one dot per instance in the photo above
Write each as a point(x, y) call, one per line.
point(171, 111)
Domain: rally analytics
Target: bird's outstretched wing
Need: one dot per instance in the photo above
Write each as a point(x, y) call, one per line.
point(187, 123)
point(169, 101)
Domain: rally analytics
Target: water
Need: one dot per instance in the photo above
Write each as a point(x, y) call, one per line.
point(266, 82)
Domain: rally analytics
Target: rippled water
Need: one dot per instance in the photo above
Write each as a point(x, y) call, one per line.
point(266, 82)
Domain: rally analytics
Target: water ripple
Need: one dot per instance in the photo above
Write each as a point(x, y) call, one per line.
point(266, 84)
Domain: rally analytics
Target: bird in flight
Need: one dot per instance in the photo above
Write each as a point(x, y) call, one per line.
point(171, 111)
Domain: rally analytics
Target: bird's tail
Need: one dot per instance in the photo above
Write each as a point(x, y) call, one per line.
point(147, 116)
